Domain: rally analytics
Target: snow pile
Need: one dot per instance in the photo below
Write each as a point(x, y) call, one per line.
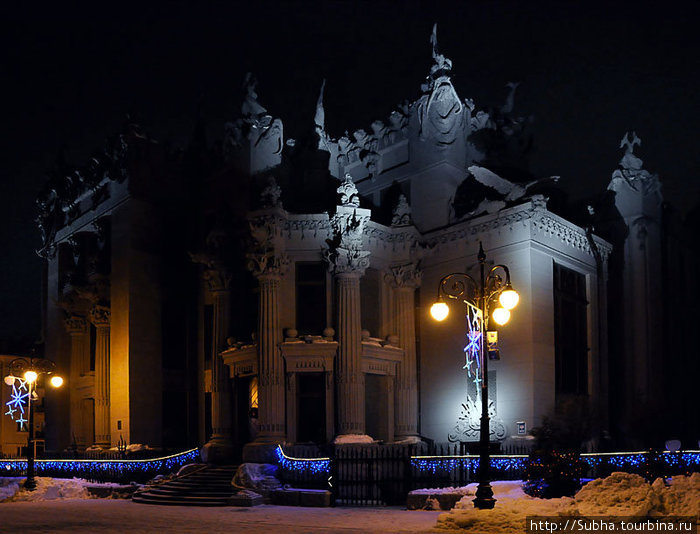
point(464, 490)
point(8, 487)
point(620, 494)
point(509, 515)
point(345, 439)
point(48, 489)
point(256, 477)
point(681, 497)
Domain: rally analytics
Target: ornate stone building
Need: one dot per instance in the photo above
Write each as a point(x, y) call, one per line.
point(277, 290)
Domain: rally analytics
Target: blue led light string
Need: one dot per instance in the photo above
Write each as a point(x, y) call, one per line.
point(103, 469)
point(515, 464)
point(303, 465)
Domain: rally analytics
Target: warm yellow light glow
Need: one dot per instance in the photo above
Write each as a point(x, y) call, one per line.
point(9, 380)
point(509, 299)
point(439, 311)
point(500, 315)
point(30, 376)
point(56, 381)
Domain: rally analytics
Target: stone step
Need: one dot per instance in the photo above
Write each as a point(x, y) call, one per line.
point(210, 486)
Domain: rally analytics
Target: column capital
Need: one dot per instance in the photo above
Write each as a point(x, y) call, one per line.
point(75, 324)
point(268, 264)
point(100, 316)
point(345, 252)
point(406, 276)
point(217, 279)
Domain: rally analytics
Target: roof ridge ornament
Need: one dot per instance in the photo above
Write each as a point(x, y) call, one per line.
point(348, 192)
point(631, 172)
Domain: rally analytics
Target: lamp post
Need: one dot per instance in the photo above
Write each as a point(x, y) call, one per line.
point(24, 373)
point(492, 289)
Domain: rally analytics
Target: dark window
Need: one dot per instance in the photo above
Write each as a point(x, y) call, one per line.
point(570, 332)
point(311, 297)
point(311, 415)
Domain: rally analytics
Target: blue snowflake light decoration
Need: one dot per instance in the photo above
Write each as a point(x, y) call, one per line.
point(18, 405)
point(472, 351)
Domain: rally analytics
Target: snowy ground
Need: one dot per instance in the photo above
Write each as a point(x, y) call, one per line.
point(64, 506)
point(106, 516)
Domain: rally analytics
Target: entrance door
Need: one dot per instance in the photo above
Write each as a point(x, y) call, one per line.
point(311, 407)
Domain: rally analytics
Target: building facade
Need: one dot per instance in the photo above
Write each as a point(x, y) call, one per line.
point(278, 290)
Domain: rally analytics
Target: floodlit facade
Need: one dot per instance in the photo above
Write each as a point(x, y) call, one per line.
point(278, 290)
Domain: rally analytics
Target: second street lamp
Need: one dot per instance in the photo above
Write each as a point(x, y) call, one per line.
point(492, 297)
point(23, 377)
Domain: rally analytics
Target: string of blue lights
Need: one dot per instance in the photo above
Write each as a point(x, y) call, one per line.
point(89, 468)
point(303, 465)
point(516, 463)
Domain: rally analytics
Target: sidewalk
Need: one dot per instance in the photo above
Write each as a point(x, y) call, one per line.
point(105, 516)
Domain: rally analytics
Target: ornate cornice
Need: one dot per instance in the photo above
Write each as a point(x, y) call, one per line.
point(533, 215)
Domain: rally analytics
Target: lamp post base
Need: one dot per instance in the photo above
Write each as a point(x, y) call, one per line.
point(484, 497)
point(30, 484)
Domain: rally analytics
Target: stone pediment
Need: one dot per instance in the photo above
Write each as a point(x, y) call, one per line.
point(242, 361)
point(378, 359)
point(302, 357)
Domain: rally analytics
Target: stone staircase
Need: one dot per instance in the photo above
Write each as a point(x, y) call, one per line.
point(208, 486)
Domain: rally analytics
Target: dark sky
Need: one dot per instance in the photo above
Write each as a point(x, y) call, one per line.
point(70, 74)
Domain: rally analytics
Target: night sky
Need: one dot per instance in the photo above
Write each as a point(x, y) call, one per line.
point(588, 73)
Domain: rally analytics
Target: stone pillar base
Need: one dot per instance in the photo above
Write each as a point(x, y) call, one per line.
point(259, 452)
point(217, 451)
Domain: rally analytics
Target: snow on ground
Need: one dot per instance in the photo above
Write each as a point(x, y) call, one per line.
point(47, 489)
point(111, 516)
point(345, 439)
point(620, 494)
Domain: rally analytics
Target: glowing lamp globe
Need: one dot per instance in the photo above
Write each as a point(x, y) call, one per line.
point(439, 311)
point(56, 381)
point(30, 376)
point(9, 380)
point(509, 299)
point(500, 315)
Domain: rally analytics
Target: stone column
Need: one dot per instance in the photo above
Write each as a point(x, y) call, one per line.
point(271, 415)
point(99, 316)
point(219, 448)
point(404, 281)
point(79, 347)
point(350, 378)
point(348, 260)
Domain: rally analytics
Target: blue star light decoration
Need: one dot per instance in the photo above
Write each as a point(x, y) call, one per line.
point(19, 399)
point(472, 351)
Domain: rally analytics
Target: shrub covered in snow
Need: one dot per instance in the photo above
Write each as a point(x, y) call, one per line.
point(551, 474)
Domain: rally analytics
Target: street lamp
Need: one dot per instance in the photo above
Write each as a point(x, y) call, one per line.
point(494, 297)
point(23, 377)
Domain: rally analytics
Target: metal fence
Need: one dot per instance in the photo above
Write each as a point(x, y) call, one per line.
point(377, 474)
